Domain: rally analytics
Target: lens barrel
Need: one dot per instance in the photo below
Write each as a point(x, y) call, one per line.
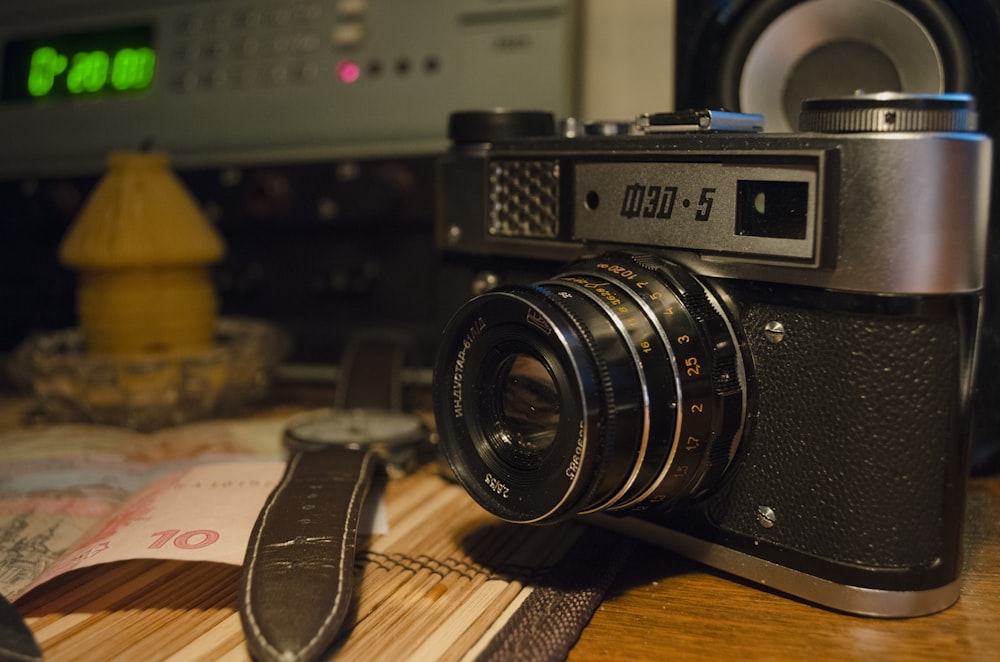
point(618, 384)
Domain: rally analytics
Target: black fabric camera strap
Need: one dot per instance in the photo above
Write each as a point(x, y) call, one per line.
point(550, 620)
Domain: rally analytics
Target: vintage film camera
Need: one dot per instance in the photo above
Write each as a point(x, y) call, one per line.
point(765, 365)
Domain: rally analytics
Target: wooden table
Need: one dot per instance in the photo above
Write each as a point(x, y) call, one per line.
point(665, 607)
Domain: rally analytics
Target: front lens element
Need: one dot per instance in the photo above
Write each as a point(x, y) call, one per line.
point(528, 399)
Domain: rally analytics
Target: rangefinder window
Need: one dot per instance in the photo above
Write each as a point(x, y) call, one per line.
point(776, 210)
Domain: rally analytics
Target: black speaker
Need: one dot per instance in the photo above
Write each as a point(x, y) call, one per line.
point(767, 56)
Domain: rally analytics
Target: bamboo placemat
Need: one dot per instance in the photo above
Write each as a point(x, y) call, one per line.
point(440, 585)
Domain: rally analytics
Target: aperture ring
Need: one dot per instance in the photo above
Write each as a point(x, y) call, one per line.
point(680, 459)
point(645, 351)
point(619, 441)
point(707, 364)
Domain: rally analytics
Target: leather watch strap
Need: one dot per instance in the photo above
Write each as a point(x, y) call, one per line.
point(371, 371)
point(297, 575)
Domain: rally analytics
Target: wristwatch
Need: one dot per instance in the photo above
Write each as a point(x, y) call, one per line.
point(295, 591)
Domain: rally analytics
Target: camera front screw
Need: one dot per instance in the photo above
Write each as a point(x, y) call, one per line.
point(766, 516)
point(774, 331)
point(454, 235)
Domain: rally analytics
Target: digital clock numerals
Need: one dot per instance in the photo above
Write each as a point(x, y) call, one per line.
point(90, 71)
point(101, 64)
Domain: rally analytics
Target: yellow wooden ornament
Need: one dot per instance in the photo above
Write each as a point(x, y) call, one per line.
point(142, 249)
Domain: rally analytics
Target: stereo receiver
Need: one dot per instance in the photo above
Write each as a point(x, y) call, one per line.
point(223, 81)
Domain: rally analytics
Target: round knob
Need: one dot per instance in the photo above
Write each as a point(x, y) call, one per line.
point(483, 126)
point(889, 112)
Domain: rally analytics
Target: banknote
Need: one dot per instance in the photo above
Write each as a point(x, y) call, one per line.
point(98, 495)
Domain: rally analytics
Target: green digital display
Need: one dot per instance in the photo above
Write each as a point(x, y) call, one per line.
point(105, 63)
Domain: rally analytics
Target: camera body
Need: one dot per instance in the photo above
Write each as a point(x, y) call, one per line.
point(762, 351)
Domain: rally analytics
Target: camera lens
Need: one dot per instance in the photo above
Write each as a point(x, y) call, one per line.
point(618, 384)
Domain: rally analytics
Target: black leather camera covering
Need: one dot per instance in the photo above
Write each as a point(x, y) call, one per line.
point(852, 473)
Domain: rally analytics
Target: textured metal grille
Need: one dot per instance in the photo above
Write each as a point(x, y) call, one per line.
point(524, 199)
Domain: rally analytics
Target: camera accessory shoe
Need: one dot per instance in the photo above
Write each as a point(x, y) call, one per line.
point(295, 592)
